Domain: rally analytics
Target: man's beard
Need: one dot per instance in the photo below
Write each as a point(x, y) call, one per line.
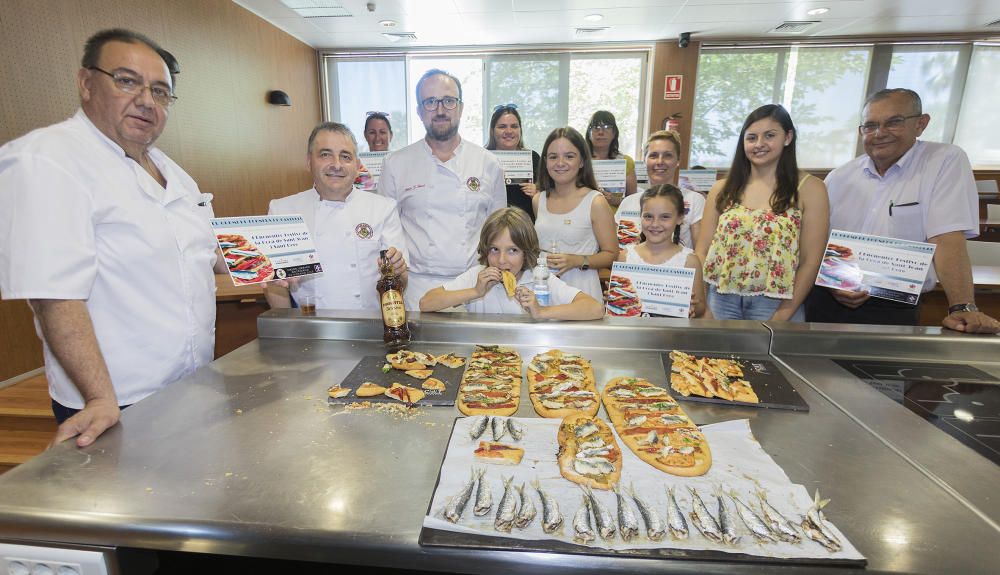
point(441, 134)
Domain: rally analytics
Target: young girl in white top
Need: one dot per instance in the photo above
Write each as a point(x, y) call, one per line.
point(508, 242)
point(662, 213)
point(572, 215)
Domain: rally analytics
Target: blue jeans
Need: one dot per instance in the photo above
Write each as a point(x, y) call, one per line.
point(733, 306)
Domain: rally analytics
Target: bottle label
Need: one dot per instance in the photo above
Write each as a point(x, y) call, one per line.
point(393, 311)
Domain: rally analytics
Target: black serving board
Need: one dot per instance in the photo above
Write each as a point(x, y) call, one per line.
point(438, 538)
point(770, 385)
point(370, 369)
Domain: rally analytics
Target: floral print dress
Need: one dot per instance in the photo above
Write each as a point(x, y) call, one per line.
point(754, 252)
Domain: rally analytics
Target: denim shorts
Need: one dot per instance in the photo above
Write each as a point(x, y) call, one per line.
point(734, 306)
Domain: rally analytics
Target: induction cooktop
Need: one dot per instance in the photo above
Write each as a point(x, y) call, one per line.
point(960, 400)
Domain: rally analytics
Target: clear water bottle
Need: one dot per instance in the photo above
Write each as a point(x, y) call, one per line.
point(553, 249)
point(541, 281)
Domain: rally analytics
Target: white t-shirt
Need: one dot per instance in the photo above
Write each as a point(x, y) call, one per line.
point(676, 261)
point(442, 207)
point(573, 233)
point(496, 300)
point(931, 190)
point(348, 236)
point(81, 221)
point(630, 211)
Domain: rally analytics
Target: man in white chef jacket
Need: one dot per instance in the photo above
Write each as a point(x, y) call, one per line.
point(109, 240)
point(348, 226)
point(445, 187)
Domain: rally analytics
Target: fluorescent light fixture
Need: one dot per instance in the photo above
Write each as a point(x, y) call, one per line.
point(817, 11)
point(594, 17)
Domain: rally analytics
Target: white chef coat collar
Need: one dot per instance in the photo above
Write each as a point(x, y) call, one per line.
point(454, 154)
point(902, 163)
point(336, 203)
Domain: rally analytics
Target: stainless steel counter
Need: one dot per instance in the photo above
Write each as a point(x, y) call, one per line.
point(246, 458)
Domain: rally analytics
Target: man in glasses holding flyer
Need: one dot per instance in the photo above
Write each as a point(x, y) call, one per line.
point(109, 240)
point(445, 188)
point(910, 190)
point(349, 228)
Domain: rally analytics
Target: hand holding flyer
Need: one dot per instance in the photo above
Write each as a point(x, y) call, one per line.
point(259, 249)
point(886, 268)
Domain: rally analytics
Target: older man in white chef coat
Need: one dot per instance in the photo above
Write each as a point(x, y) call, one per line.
point(349, 227)
point(109, 240)
point(445, 187)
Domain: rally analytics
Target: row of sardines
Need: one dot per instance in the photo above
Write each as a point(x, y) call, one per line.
point(634, 515)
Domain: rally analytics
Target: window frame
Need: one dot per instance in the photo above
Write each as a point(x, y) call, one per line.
point(566, 53)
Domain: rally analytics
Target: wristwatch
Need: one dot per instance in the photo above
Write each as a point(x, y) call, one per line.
point(960, 307)
point(585, 265)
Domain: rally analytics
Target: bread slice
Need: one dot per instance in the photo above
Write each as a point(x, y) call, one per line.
point(498, 453)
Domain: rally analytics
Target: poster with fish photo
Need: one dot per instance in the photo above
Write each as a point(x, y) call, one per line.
point(516, 165)
point(886, 268)
point(260, 249)
point(371, 170)
point(697, 180)
point(639, 290)
point(610, 175)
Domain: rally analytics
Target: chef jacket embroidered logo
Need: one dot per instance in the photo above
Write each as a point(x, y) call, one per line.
point(473, 183)
point(363, 231)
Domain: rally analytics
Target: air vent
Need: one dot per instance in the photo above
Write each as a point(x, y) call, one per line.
point(317, 8)
point(589, 33)
point(994, 24)
point(793, 27)
point(397, 36)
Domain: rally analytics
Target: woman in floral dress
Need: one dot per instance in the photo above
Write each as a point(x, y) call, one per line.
point(765, 226)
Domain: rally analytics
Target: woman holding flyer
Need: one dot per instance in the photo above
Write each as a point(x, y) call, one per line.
point(765, 226)
point(574, 222)
point(505, 134)
point(662, 154)
point(662, 209)
point(602, 137)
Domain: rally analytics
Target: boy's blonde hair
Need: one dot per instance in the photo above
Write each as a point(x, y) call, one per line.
point(522, 233)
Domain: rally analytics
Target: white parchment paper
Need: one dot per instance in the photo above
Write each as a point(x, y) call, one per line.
point(739, 463)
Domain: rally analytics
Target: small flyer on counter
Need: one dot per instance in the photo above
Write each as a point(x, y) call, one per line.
point(697, 180)
point(264, 248)
point(641, 174)
point(516, 164)
point(649, 291)
point(886, 268)
point(610, 175)
point(371, 169)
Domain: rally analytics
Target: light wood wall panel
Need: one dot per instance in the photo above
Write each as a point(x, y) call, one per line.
point(669, 58)
point(222, 130)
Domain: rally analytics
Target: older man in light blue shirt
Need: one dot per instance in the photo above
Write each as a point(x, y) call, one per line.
point(908, 189)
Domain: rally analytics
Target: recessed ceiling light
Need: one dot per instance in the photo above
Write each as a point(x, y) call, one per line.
point(388, 23)
point(817, 11)
point(594, 17)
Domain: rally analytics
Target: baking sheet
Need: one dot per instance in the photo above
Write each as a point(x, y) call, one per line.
point(370, 369)
point(739, 463)
point(772, 388)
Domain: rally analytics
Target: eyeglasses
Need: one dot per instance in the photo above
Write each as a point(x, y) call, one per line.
point(376, 113)
point(499, 107)
point(892, 124)
point(449, 103)
point(601, 127)
point(133, 85)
